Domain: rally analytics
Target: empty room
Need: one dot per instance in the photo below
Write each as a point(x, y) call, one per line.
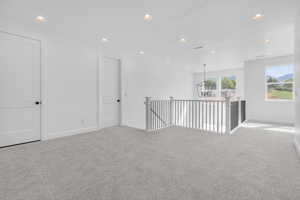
point(150, 100)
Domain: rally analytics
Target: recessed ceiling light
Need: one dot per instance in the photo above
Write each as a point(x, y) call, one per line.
point(213, 52)
point(267, 41)
point(258, 17)
point(40, 19)
point(141, 52)
point(104, 40)
point(182, 40)
point(148, 17)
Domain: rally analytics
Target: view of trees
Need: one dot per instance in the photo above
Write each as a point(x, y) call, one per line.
point(271, 79)
point(211, 84)
point(281, 87)
point(228, 83)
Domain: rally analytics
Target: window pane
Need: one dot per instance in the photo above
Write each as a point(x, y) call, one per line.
point(277, 74)
point(229, 82)
point(282, 91)
point(279, 80)
point(211, 84)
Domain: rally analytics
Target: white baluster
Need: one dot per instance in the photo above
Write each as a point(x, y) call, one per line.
point(148, 112)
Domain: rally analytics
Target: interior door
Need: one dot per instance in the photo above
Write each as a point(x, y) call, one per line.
point(110, 92)
point(19, 89)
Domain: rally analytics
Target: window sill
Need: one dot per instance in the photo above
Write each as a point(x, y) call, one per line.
point(280, 100)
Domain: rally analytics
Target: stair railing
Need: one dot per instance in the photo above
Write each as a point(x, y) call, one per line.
point(220, 116)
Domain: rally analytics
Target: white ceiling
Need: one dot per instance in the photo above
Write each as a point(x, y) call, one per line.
point(221, 25)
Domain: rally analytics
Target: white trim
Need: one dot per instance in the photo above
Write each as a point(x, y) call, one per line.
point(19, 35)
point(159, 129)
point(297, 146)
point(120, 93)
point(236, 128)
point(71, 132)
point(100, 62)
point(266, 85)
point(99, 92)
point(280, 100)
point(201, 130)
point(139, 129)
point(42, 82)
point(280, 123)
point(270, 57)
point(98, 87)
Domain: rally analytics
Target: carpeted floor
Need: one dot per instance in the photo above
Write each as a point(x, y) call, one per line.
point(122, 163)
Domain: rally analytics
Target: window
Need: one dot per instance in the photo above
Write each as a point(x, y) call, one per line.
point(228, 86)
point(280, 82)
point(211, 85)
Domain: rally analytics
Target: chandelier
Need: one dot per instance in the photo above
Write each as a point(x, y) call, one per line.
point(204, 88)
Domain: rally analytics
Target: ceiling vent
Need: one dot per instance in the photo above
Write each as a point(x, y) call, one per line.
point(198, 47)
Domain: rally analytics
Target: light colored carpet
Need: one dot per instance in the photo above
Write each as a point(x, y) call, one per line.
point(127, 164)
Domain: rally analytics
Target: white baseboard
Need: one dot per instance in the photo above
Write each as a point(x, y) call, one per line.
point(270, 122)
point(297, 146)
point(139, 129)
point(70, 132)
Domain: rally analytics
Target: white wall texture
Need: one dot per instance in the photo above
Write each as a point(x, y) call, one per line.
point(239, 73)
point(156, 77)
point(257, 107)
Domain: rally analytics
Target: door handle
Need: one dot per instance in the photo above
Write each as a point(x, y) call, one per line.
point(38, 102)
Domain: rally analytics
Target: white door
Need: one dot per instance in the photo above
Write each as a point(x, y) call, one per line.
point(19, 90)
point(110, 92)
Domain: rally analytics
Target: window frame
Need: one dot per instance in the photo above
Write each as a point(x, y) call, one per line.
point(236, 83)
point(216, 79)
point(278, 83)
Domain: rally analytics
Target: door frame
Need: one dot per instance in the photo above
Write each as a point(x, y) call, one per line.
point(42, 112)
point(100, 65)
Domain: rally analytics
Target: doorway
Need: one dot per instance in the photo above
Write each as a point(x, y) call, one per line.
point(110, 92)
point(20, 89)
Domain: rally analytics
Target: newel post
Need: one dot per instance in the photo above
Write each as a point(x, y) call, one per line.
point(171, 119)
point(239, 109)
point(228, 114)
point(148, 112)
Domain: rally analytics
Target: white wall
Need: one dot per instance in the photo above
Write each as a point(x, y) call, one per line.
point(71, 77)
point(69, 82)
point(257, 107)
point(297, 79)
point(154, 77)
point(239, 73)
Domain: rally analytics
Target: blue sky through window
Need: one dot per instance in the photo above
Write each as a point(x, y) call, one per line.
point(278, 71)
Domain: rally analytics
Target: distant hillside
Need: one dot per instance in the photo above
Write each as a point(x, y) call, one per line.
point(285, 77)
